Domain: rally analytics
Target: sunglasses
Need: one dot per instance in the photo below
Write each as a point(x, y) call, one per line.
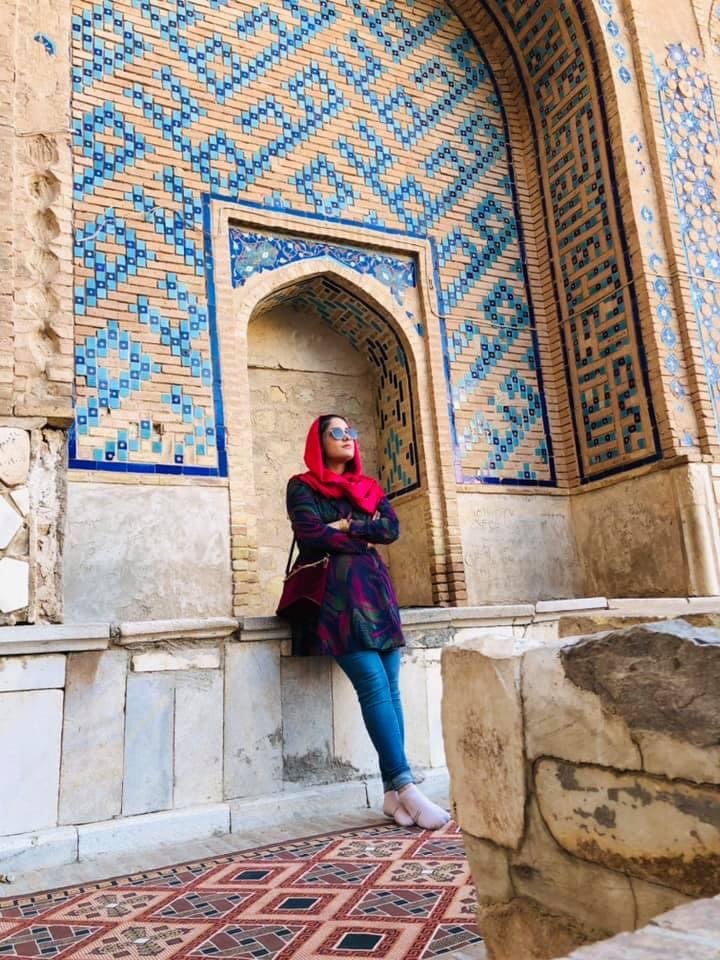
point(338, 433)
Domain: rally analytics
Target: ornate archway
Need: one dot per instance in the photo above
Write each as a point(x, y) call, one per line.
point(378, 300)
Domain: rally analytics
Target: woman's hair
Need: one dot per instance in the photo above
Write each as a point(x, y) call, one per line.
point(326, 418)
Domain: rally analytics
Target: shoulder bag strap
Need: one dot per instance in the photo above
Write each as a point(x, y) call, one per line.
point(289, 559)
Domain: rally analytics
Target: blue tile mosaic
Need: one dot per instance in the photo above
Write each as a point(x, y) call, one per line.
point(690, 122)
point(253, 252)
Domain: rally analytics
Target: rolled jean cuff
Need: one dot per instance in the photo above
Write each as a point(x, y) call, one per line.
point(398, 782)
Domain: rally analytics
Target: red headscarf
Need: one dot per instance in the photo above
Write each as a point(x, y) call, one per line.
point(365, 492)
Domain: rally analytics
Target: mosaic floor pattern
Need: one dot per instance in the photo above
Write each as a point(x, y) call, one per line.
point(382, 892)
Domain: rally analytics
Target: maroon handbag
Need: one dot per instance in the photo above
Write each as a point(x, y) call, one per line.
point(304, 588)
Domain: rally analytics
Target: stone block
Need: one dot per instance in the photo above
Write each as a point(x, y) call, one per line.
point(483, 732)
point(490, 870)
point(14, 585)
point(521, 929)
point(93, 736)
point(30, 726)
point(653, 899)
point(198, 738)
point(118, 837)
point(138, 572)
point(502, 534)
point(565, 721)
point(650, 943)
point(652, 828)
point(21, 498)
point(579, 603)
point(191, 658)
point(14, 456)
point(32, 673)
point(253, 719)
point(54, 638)
point(306, 718)
point(660, 677)
point(677, 759)
point(10, 523)
point(436, 744)
point(414, 694)
point(599, 899)
point(353, 752)
point(38, 850)
point(149, 740)
point(254, 814)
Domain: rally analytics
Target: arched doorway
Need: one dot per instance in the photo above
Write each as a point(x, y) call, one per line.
point(304, 338)
point(317, 347)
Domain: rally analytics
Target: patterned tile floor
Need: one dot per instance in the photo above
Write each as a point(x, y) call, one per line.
point(376, 891)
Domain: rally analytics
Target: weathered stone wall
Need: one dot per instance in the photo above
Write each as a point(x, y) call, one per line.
point(32, 505)
point(146, 551)
point(36, 313)
point(586, 779)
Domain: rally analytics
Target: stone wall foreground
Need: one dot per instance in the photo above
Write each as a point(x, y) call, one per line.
point(585, 776)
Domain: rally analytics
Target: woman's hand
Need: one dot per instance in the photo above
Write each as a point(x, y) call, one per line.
point(343, 525)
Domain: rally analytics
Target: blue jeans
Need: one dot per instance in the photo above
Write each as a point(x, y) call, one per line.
point(375, 676)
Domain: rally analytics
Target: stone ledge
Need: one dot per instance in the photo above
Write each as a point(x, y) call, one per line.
point(27, 852)
point(38, 850)
point(571, 605)
point(159, 631)
point(168, 826)
point(487, 615)
point(256, 812)
point(54, 638)
point(263, 628)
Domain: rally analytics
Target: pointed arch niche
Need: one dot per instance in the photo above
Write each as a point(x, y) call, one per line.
point(315, 318)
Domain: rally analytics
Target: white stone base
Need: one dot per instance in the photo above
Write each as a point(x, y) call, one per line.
point(151, 829)
point(254, 813)
point(38, 851)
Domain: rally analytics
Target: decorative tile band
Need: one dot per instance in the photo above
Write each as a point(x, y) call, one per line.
point(252, 253)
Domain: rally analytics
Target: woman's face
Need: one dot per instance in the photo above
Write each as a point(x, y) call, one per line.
point(337, 451)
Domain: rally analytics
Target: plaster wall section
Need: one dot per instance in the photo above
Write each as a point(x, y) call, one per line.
point(503, 534)
point(146, 551)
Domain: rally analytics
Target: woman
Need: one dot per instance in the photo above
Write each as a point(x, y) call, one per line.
point(336, 510)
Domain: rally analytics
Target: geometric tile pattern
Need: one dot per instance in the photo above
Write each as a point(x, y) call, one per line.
point(692, 136)
point(379, 113)
point(381, 892)
point(255, 253)
point(604, 358)
point(368, 332)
